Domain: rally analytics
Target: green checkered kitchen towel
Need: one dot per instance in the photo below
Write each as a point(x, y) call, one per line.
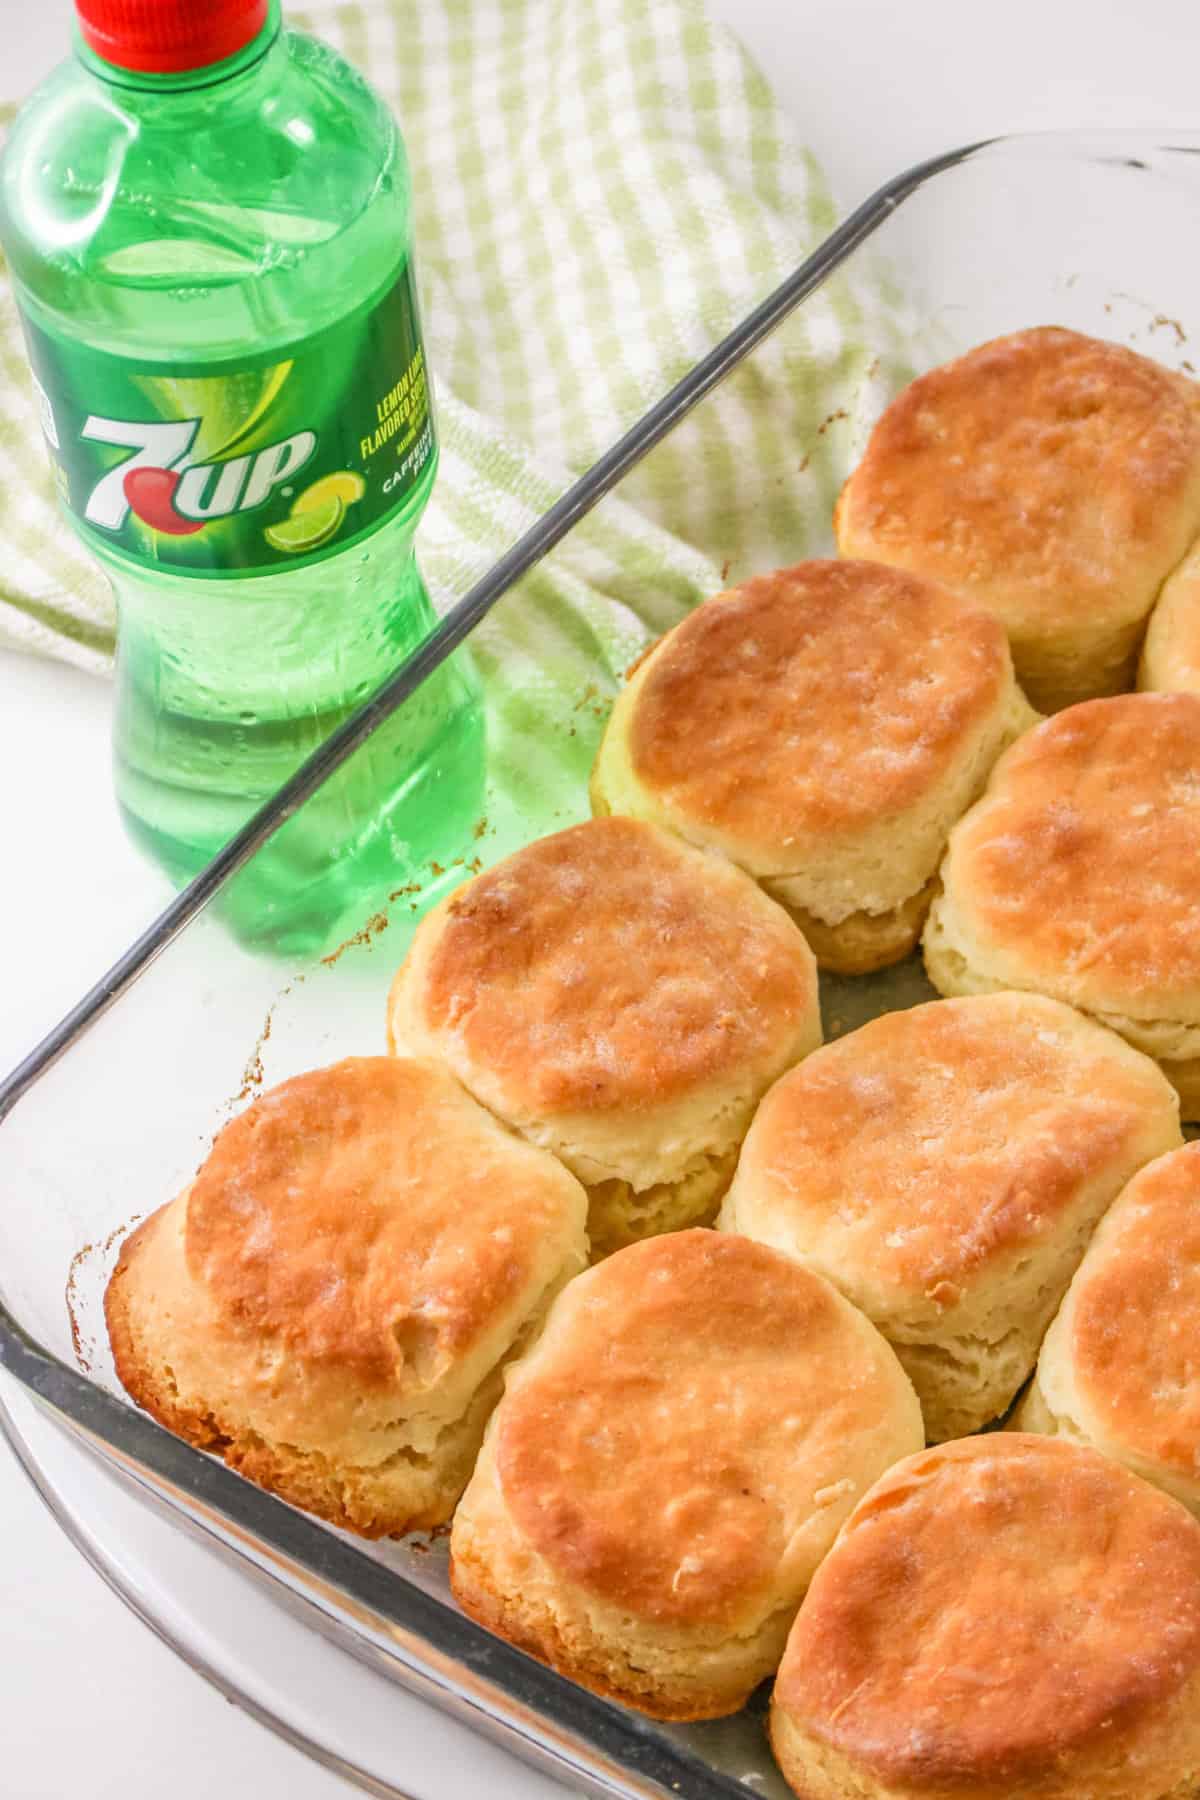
point(603, 188)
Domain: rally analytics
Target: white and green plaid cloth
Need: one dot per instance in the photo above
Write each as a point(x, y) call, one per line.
point(603, 188)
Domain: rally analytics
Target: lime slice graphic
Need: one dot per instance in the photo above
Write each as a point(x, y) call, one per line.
point(307, 530)
point(348, 487)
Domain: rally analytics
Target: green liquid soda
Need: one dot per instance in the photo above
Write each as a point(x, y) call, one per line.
point(214, 270)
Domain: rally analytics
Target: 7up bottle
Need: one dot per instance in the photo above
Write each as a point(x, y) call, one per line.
point(208, 225)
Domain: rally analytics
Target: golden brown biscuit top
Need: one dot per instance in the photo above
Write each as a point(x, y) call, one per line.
point(991, 1606)
point(922, 1147)
point(1082, 861)
point(694, 1399)
point(1054, 468)
point(1135, 1316)
point(610, 966)
point(371, 1215)
point(814, 700)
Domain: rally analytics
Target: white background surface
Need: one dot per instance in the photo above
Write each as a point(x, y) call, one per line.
point(90, 1704)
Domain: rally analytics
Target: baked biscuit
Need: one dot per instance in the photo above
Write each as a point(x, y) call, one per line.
point(1120, 1367)
point(1171, 653)
point(1076, 876)
point(330, 1305)
point(945, 1168)
point(1005, 1616)
point(621, 999)
point(823, 727)
point(1053, 479)
point(669, 1465)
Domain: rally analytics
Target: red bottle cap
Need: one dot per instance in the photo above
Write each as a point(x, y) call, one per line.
point(164, 37)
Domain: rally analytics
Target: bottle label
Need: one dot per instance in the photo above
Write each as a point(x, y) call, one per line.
point(247, 467)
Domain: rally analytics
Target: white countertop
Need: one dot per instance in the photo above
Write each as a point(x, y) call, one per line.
point(90, 1703)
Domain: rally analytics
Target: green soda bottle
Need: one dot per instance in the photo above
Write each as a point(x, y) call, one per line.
point(208, 224)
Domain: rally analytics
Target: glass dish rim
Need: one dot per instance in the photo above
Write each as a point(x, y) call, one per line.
point(427, 1644)
point(94, 1554)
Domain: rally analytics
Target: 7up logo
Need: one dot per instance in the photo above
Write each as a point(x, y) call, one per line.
point(160, 486)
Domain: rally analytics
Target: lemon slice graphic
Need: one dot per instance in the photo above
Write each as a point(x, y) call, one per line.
point(309, 529)
point(348, 487)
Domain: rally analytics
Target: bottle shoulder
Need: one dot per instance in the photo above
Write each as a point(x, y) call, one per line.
point(161, 221)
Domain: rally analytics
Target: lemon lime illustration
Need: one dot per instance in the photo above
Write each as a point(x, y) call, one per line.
point(317, 513)
point(307, 530)
point(348, 487)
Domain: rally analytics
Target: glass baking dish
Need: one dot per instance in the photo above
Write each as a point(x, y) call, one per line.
point(110, 1115)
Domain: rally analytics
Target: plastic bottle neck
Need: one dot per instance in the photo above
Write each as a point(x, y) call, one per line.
point(186, 80)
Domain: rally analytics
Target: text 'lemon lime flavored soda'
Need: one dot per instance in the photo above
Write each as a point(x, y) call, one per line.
point(208, 224)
